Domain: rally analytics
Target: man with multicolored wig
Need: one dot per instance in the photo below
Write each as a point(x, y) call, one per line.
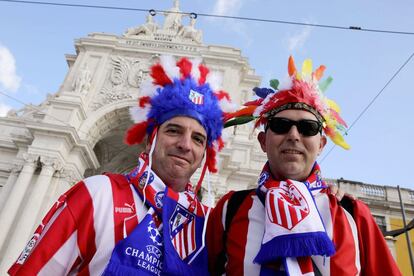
point(290, 224)
point(133, 224)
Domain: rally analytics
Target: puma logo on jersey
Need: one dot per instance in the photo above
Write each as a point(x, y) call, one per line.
point(128, 209)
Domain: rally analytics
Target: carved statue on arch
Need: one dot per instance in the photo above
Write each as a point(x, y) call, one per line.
point(82, 81)
point(173, 17)
point(191, 32)
point(148, 28)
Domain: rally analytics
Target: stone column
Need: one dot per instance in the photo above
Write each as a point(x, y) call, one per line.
point(27, 221)
point(63, 180)
point(16, 196)
point(14, 173)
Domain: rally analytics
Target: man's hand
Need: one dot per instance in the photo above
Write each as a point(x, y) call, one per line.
point(333, 188)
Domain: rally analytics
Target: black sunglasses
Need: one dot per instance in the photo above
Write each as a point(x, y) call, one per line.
point(305, 127)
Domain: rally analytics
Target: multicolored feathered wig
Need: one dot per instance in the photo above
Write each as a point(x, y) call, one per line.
point(303, 90)
point(183, 88)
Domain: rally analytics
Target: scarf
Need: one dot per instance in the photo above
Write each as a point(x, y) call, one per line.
point(293, 227)
point(169, 239)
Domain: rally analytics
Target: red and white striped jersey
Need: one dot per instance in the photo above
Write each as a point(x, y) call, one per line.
point(360, 246)
point(78, 234)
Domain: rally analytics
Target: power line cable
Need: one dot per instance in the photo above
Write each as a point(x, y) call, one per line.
point(256, 19)
point(354, 28)
point(371, 102)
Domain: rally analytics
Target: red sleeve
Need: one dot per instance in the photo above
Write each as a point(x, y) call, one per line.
point(54, 231)
point(376, 258)
point(215, 232)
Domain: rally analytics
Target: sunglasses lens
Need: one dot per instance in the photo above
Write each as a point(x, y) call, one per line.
point(305, 127)
point(280, 125)
point(308, 127)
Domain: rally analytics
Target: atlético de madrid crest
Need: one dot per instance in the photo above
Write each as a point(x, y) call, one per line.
point(288, 206)
point(182, 231)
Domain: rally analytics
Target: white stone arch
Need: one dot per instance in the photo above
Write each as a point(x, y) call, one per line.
point(99, 121)
point(104, 130)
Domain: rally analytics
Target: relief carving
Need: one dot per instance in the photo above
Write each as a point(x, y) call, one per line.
point(82, 81)
point(125, 77)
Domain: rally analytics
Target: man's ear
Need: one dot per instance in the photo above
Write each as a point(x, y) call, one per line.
point(322, 143)
point(261, 137)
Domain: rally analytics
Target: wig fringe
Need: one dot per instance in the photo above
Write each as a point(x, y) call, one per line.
point(136, 133)
point(296, 245)
point(159, 75)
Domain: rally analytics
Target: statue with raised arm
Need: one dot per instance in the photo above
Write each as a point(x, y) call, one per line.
point(173, 17)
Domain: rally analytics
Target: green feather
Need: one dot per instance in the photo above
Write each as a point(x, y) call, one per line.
point(239, 121)
point(274, 84)
point(324, 85)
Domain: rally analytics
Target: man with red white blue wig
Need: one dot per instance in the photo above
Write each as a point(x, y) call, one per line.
point(148, 221)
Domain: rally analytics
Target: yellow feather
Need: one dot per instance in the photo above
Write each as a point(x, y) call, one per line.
point(329, 122)
point(336, 137)
point(339, 140)
point(333, 105)
point(307, 69)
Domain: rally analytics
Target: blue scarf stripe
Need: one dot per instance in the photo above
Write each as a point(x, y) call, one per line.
point(295, 245)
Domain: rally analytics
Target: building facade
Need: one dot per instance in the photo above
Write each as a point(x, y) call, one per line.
point(78, 131)
point(385, 205)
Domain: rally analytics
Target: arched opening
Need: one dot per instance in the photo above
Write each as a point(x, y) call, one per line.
point(112, 153)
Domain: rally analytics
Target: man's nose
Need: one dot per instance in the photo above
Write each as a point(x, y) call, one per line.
point(293, 133)
point(184, 142)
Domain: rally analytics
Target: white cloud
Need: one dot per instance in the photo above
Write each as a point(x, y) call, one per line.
point(8, 78)
point(227, 7)
point(4, 109)
point(297, 41)
point(240, 29)
point(230, 8)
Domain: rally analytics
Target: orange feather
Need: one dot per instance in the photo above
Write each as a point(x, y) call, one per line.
point(291, 66)
point(319, 72)
point(248, 110)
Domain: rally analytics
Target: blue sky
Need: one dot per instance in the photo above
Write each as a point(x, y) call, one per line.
point(35, 38)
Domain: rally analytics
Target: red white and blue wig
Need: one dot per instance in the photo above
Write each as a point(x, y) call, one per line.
point(183, 88)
